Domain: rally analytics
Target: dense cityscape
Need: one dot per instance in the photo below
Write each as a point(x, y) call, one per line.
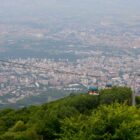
point(53, 54)
point(104, 51)
point(69, 69)
point(36, 76)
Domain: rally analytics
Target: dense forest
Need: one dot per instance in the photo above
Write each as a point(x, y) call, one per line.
point(108, 116)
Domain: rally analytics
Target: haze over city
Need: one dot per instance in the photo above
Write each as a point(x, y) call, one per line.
point(97, 37)
point(69, 69)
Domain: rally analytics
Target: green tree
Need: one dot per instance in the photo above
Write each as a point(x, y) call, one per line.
point(119, 94)
point(19, 126)
point(113, 122)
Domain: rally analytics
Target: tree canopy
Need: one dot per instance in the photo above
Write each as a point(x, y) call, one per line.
point(108, 116)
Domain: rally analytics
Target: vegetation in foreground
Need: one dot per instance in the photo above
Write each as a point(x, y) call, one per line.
point(109, 116)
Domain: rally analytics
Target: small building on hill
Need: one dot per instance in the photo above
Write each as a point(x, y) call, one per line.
point(108, 86)
point(93, 90)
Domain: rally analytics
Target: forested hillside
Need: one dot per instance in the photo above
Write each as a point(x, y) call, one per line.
point(108, 116)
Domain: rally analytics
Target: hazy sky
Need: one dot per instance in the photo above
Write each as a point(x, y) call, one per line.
point(69, 8)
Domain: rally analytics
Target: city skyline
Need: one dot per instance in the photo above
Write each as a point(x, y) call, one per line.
point(77, 37)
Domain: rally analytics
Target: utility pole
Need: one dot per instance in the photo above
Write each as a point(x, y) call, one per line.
point(134, 85)
point(133, 98)
point(134, 91)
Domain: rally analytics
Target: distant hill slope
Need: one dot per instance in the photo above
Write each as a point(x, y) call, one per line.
point(77, 117)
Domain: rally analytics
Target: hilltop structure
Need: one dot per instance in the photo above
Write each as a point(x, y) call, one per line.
point(93, 90)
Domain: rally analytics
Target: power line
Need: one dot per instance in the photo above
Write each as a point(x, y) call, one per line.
point(44, 69)
point(21, 64)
